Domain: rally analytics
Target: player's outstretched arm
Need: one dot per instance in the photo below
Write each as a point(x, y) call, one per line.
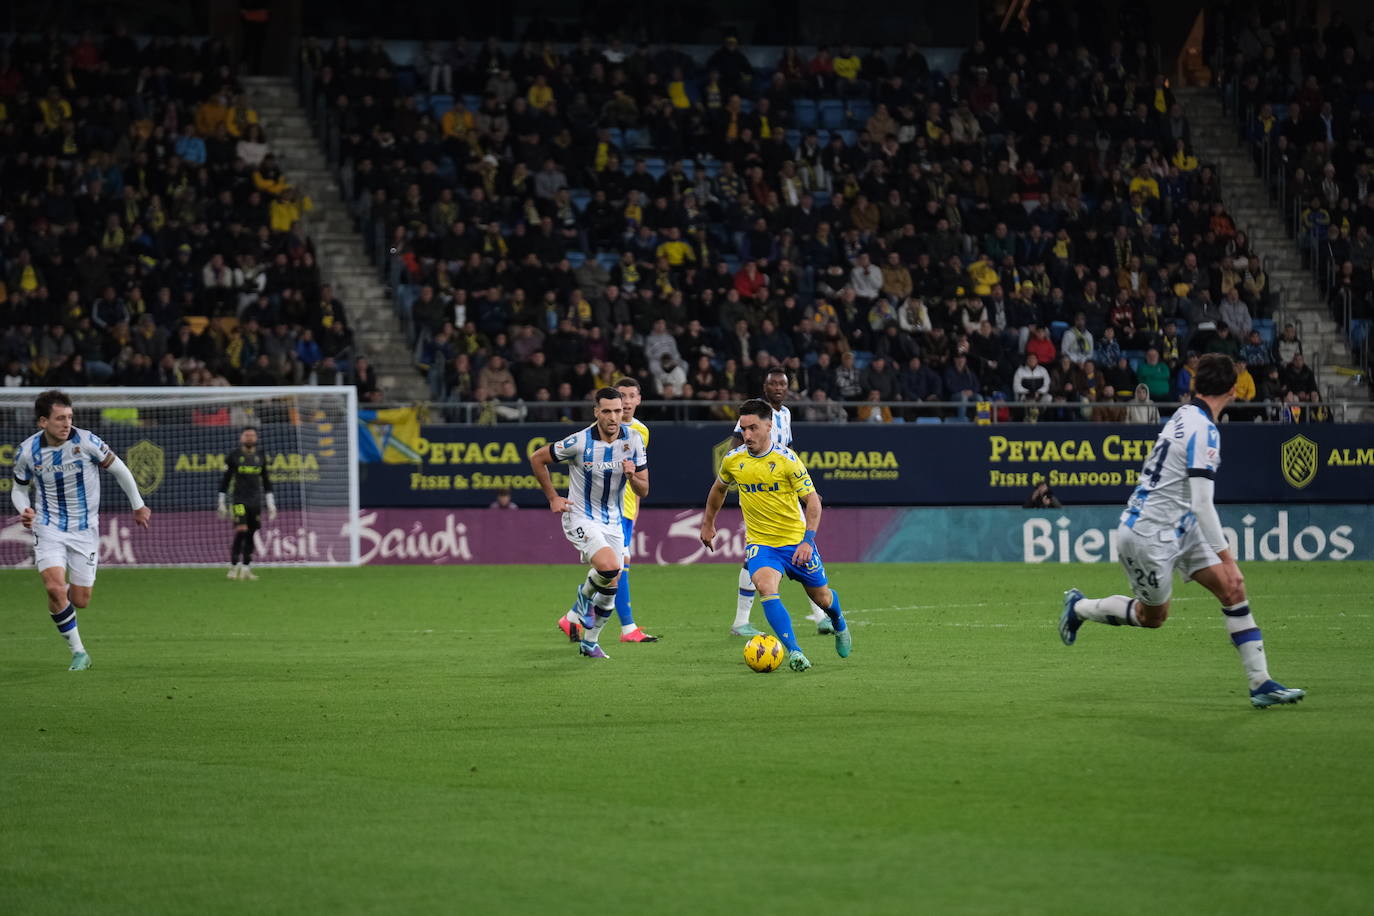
point(125, 478)
point(539, 466)
point(714, 500)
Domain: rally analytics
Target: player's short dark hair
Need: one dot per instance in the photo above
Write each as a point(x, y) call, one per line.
point(1216, 375)
point(42, 407)
point(628, 382)
point(606, 394)
point(757, 407)
point(252, 426)
point(778, 370)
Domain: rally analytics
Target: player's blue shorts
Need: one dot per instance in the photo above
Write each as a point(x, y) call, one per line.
point(758, 556)
point(627, 528)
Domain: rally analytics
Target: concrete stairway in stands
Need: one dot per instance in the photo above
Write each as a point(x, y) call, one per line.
point(338, 244)
point(1215, 141)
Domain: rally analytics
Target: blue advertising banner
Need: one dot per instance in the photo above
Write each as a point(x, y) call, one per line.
point(901, 465)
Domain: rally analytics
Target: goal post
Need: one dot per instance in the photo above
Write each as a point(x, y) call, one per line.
point(175, 441)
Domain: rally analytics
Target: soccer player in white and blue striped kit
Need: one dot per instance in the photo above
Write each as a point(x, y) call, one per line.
point(57, 493)
point(1170, 523)
point(602, 460)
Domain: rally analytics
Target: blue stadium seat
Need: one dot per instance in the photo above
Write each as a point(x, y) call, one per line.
point(1057, 329)
point(805, 113)
point(821, 198)
point(1358, 332)
point(616, 136)
point(862, 359)
point(440, 104)
point(655, 166)
point(850, 137)
point(637, 138)
point(472, 101)
point(897, 419)
point(746, 105)
point(793, 138)
point(831, 113)
point(608, 259)
point(860, 110)
point(577, 258)
point(920, 420)
point(580, 199)
point(958, 419)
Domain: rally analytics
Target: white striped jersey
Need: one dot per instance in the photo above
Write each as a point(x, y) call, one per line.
point(1188, 446)
point(782, 427)
point(596, 471)
point(65, 479)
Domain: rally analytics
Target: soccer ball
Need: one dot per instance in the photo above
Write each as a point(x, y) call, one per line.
point(763, 653)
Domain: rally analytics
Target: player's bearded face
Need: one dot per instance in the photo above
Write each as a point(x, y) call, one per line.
point(756, 433)
point(608, 415)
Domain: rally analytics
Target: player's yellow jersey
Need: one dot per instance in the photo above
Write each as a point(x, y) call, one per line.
point(630, 507)
point(770, 486)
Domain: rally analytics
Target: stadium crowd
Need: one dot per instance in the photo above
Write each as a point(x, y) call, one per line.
point(1031, 226)
point(1306, 99)
point(147, 234)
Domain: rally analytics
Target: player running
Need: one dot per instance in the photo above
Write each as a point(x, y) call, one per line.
point(629, 631)
point(601, 459)
point(245, 474)
point(1170, 523)
point(775, 387)
point(778, 539)
point(60, 465)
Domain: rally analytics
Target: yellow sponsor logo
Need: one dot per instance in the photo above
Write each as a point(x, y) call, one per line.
point(1298, 460)
point(148, 463)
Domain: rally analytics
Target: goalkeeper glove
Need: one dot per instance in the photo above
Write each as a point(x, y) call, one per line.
point(271, 507)
point(222, 510)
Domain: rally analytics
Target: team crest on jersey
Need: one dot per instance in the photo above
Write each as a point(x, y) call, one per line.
point(1298, 460)
point(148, 462)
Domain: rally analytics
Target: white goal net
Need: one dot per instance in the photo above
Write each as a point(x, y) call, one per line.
point(175, 441)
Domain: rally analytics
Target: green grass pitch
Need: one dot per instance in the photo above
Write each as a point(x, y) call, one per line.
point(407, 740)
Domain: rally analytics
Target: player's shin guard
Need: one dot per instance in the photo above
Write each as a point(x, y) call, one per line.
point(1246, 637)
point(780, 621)
point(745, 604)
point(65, 621)
point(622, 601)
point(1114, 610)
point(248, 548)
point(603, 586)
point(236, 549)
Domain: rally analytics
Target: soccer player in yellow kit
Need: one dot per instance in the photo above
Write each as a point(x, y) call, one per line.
point(779, 539)
point(630, 396)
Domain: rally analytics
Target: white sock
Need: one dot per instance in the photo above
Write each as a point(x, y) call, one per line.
point(816, 615)
point(745, 604)
point(626, 628)
point(1114, 610)
point(1240, 624)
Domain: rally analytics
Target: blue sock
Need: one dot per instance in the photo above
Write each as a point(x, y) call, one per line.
point(780, 621)
point(622, 599)
point(835, 613)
